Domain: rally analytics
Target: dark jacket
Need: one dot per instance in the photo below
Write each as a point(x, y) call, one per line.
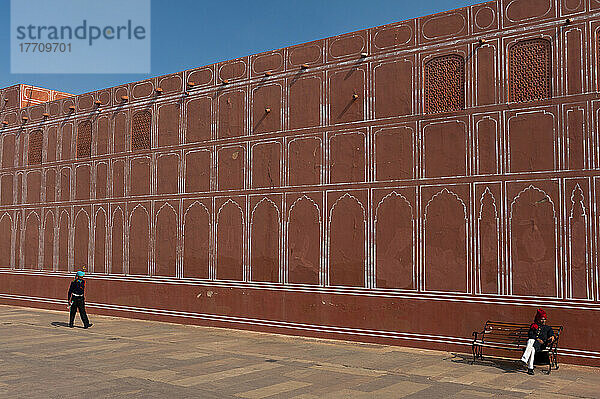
point(77, 287)
point(543, 332)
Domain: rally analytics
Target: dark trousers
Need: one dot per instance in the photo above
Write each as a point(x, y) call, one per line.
point(78, 303)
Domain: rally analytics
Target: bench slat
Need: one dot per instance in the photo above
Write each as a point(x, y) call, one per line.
point(509, 335)
point(507, 347)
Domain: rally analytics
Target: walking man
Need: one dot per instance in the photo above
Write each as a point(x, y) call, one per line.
point(77, 300)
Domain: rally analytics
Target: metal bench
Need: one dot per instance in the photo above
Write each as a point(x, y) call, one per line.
point(511, 336)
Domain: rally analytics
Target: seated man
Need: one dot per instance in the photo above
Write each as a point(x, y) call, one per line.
point(540, 335)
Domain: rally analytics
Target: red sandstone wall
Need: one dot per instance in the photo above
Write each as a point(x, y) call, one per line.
point(21, 96)
point(403, 197)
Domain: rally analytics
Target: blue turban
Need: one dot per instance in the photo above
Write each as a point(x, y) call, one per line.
point(80, 274)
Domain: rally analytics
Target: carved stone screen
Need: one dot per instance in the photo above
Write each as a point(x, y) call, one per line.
point(530, 69)
point(140, 130)
point(36, 140)
point(401, 184)
point(84, 140)
point(444, 84)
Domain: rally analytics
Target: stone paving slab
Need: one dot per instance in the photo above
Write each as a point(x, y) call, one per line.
point(40, 357)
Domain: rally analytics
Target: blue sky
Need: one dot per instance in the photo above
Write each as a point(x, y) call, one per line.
point(190, 33)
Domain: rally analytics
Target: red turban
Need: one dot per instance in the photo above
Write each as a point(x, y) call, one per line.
point(541, 314)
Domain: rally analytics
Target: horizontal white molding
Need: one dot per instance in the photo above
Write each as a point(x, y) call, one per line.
point(549, 302)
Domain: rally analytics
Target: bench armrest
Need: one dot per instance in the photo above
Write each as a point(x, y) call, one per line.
point(554, 343)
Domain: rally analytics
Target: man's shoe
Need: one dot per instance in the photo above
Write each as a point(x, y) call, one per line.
point(88, 326)
point(70, 325)
point(530, 372)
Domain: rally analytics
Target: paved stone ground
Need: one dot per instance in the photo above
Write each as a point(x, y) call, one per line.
point(40, 357)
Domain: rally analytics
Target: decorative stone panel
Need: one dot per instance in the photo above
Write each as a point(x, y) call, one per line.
point(140, 130)
point(530, 69)
point(35, 148)
point(84, 139)
point(445, 84)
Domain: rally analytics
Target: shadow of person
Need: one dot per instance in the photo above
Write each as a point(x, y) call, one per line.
point(62, 324)
point(506, 365)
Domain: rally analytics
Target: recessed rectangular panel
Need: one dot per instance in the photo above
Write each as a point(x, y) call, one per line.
point(347, 95)
point(305, 101)
point(199, 117)
point(266, 108)
point(266, 165)
point(445, 149)
point(232, 108)
point(394, 89)
point(230, 167)
point(197, 171)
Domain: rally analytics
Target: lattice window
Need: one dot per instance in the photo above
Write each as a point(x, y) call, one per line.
point(445, 84)
point(84, 140)
point(36, 140)
point(530, 70)
point(140, 130)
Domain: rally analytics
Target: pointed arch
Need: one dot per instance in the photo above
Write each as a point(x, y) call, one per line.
point(18, 233)
point(32, 239)
point(100, 242)
point(529, 191)
point(394, 241)
point(139, 241)
point(347, 242)
point(5, 240)
point(82, 241)
point(196, 236)
point(534, 270)
point(304, 241)
point(230, 244)
point(445, 243)
point(63, 241)
point(488, 257)
point(17, 247)
point(166, 241)
point(118, 242)
point(579, 269)
point(49, 241)
point(265, 228)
